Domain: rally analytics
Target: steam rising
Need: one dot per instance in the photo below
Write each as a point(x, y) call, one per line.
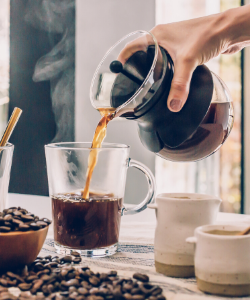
point(58, 66)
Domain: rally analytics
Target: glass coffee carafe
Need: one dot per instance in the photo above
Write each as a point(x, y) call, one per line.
point(133, 79)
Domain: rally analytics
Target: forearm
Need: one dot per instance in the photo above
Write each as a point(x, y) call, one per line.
point(237, 25)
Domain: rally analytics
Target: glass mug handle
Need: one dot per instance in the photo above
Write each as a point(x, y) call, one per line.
point(151, 188)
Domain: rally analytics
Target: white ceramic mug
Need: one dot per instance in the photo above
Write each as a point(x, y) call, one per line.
point(222, 262)
point(178, 214)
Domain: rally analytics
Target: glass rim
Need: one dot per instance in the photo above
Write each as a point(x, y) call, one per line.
point(145, 32)
point(7, 146)
point(67, 146)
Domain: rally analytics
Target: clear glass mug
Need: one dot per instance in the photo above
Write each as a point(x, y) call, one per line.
point(90, 226)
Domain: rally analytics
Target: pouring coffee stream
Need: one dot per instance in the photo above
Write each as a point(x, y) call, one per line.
point(99, 136)
point(100, 133)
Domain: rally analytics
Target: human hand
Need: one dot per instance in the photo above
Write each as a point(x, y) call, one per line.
point(194, 42)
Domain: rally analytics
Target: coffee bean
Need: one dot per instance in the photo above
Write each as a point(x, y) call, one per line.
point(94, 291)
point(30, 214)
point(7, 296)
point(24, 286)
point(138, 297)
point(36, 286)
point(75, 253)
point(32, 278)
point(15, 276)
point(50, 288)
point(141, 277)
point(34, 226)
point(112, 273)
point(3, 282)
point(85, 284)
point(46, 220)
point(12, 282)
point(3, 289)
point(161, 297)
point(127, 287)
point(16, 222)
point(136, 291)
point(41, 224)
point(72, 289)
point(152, 298)
point(56, 260)
point(8, 224)
point(45, 277)
point(23, 227)
point(26, 295)
point(44, 261)
point(37, 261)
point(27, 218)
point(71, 282)
point(45, 290)
point(5, 229)
point(83, 291)
point(10, 211)
point(1, 221)
point(49, 257)
point(39, 266)
point(103, 277)
point(51, 264)
point(71, 275)
point(156, 291)
point(66, 258)
point(45, 271)
point(17, 213)
point(77, 260)
point(94, 281)
point(73, 295)
point(127, 296)
point(8, 218)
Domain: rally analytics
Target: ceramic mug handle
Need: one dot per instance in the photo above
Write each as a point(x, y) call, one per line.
point(191, 240)
point(151, 188)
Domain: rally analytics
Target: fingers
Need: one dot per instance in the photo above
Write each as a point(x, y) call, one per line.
point(139, 44)
point(183, 70)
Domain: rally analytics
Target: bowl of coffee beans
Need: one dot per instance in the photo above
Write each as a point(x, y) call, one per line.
point(22, 235)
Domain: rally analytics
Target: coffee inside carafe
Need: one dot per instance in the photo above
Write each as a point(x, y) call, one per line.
point(195, 132)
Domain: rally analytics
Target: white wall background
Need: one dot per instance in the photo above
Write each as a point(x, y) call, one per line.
point(192, 177)
point(99, 24)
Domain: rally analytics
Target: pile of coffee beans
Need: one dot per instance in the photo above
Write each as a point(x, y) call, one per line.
point(58, 279)
point(19, 219)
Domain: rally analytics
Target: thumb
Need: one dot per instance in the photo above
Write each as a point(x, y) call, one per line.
point(179, 90)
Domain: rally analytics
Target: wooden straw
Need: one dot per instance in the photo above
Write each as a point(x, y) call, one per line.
point(244, 232)
point(11, 125)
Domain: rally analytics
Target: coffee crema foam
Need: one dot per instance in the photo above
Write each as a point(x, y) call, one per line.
point(77, 197)
point(222, 232)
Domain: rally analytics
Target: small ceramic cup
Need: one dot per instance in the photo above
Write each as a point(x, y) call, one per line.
point(177, 216)
point(222, 262)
